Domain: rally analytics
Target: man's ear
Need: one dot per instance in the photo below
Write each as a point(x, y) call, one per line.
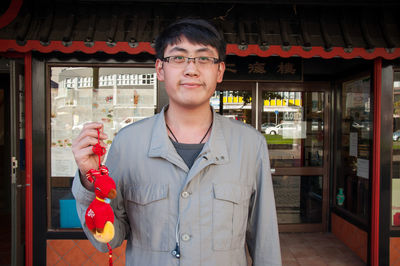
point(160, 70)
point(221, 70)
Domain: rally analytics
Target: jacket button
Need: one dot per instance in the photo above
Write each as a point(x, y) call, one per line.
point(185, 194)
point(185, 237)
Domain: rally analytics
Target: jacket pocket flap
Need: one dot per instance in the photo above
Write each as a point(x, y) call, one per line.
point(146, 194)
point(231, 192)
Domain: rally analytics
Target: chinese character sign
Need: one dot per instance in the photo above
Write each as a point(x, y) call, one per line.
point(259, 68)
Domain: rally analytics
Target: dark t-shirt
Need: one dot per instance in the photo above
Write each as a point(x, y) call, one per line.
point(188, 152)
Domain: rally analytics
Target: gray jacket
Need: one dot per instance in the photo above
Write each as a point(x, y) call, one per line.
point(225, 199)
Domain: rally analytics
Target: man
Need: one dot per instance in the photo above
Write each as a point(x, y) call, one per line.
point(193, 187)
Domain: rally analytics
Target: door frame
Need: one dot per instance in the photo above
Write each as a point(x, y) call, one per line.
point(17, 176)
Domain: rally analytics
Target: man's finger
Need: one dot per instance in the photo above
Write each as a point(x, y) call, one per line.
point(90, 129)
point(85, 141)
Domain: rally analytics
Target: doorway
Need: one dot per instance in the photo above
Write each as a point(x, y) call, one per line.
point(12, 160)
point(294, 119)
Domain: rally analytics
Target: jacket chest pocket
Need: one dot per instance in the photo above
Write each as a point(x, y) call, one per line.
point(230, 211)
point(147, 208)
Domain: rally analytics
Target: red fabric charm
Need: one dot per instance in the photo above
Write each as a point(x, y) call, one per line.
point(99, 215)
point(99, 211)
point(396, 219)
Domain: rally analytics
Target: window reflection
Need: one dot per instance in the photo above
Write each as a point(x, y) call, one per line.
point(292, 123)
point(352, 180)
point(233, 104)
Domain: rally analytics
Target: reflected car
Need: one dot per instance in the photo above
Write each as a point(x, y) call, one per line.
point(367, 125)
point(317, 125)
point(264, 126)
point(396, 135)
point(278, 129)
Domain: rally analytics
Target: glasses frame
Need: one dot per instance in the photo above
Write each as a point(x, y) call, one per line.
point(194, 59)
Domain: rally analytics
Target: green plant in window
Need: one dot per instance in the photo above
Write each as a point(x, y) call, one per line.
point(396, 106)
point(246, 98)
point(271, 95)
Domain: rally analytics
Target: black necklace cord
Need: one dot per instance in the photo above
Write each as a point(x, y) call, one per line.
point(172, 133)
point(208, 130)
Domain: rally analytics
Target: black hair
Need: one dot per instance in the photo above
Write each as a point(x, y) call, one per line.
point(197, 31)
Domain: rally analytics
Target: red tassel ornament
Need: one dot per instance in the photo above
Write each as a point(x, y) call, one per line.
point(99, 215)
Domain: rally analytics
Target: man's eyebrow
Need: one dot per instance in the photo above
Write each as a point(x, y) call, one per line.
point(180, 49)
point(204, 49)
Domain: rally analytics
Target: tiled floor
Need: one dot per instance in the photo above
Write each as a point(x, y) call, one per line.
point(297, 249)
point(316, 249)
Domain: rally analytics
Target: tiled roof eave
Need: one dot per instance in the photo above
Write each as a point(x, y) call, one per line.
point(232, 49)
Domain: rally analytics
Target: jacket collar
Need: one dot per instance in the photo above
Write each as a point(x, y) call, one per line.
point(214, 151)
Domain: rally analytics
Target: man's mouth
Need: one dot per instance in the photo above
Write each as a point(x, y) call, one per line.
point(191, 84)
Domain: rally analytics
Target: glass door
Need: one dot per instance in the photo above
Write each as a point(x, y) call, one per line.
point(294, 119)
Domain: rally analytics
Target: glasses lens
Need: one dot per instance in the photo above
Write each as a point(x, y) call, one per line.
point(205, 60)
point(178, 59)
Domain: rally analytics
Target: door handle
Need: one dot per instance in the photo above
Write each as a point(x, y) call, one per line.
point(24, 185)
point(14, 166)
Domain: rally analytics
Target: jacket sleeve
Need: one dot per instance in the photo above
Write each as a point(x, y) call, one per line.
point(262, 234)
point(84, 197)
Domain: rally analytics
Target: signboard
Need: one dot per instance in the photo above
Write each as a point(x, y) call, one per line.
point(263, 68)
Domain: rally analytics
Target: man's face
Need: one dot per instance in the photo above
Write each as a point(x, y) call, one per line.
point(191, 84)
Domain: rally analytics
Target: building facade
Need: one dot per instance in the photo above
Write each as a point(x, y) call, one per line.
point(320, 81)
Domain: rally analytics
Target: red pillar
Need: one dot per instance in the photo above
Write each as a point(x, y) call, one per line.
point(376, 163)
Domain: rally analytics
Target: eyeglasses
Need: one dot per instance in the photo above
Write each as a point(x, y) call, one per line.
point(178, 60)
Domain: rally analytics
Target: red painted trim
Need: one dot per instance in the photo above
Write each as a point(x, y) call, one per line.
point(313, 52)
point(76, 46)
point(274, 50)
point(29, 166)
point(376, 164)
point(11, 13)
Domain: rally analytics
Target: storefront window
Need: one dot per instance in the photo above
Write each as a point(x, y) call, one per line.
point(352, 182)
point(396, 152)
point(114, 96)
point(234, 104)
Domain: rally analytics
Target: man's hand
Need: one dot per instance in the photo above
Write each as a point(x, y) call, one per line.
point(82, 150)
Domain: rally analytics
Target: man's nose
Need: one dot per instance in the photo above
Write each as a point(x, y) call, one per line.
point(191, 67)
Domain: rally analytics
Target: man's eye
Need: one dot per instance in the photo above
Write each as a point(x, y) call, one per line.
point(203, 59)
point(179, 59)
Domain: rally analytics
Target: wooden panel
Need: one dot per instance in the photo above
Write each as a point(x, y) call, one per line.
point(394, 251)
point(352, 236)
